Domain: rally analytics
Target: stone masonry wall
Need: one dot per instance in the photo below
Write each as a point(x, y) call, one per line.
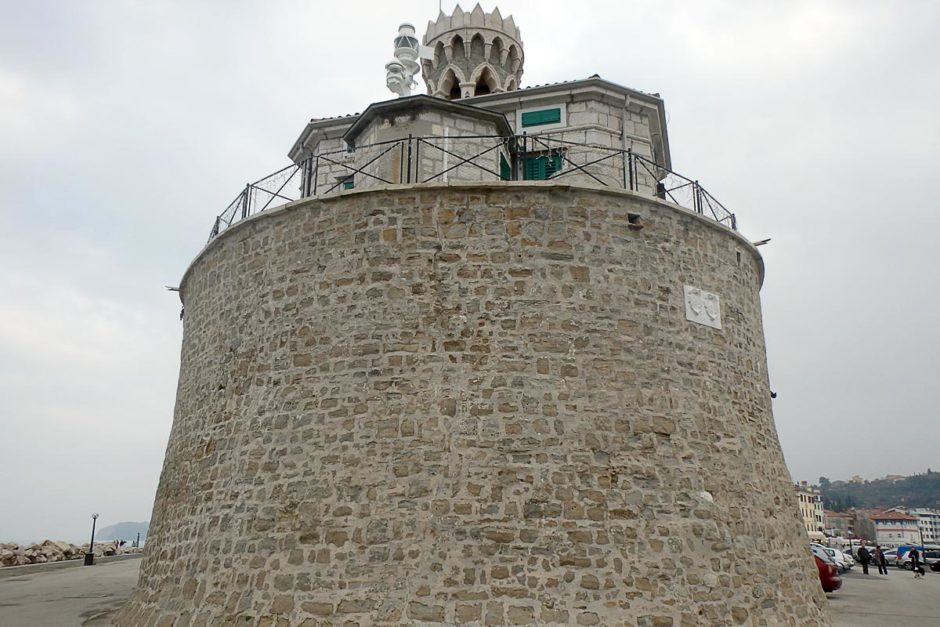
point(479, 405)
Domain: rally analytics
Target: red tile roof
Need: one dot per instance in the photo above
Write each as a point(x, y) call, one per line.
point(891, 516)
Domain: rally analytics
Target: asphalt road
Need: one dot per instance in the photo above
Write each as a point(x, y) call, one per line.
point(66, 597)
point(86, 596)
point(893, 599)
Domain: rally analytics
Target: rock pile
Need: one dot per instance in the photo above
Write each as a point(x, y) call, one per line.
point(54, 551)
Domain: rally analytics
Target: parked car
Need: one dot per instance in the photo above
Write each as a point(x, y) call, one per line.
point(849, 558)
point(843, 561)
point(828, 574)
point(830, 555)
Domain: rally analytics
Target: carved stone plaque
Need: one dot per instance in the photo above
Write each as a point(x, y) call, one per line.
point(702, 307)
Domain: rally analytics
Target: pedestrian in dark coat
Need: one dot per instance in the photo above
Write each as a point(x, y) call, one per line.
point(915, 562)
point(864, 557)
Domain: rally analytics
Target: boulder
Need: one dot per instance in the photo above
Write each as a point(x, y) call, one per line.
point(7, 557)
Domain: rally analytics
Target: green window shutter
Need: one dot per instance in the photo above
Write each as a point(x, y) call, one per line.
point(543, 116)
point(349, 184)
point(505, 172)
point(552, 165)
point(542, 167)
point(534, 169)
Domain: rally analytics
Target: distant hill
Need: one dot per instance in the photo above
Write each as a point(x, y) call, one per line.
point(124, 531)
point(914, 491)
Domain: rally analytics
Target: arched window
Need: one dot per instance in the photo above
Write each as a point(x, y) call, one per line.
point(497, 51)
point(449, 87)
point(477, 48)
point(458, 50)
point(486, 83)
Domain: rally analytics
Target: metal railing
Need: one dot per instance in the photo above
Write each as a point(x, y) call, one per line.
point(477, 158)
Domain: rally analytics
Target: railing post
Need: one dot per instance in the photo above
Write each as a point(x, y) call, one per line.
point(634, 183)
point(401, 162)
point(305, 178)
point(409, 157)
point(698, 197)
point(316, 174)
point(417, 160)
point(309, 186)
point(215, 228)
point(245, 204)
point(626, 164)
point(525, 148)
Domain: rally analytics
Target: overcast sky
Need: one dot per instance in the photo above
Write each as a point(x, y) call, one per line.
point(125, 127)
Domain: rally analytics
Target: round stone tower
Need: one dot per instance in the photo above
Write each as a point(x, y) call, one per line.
point(477, 404)
point(475, 54)
point(486, 399)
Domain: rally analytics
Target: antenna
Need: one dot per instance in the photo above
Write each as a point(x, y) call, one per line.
point(400, 72)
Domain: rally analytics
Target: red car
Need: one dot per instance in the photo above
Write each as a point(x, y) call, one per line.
point(828, 574)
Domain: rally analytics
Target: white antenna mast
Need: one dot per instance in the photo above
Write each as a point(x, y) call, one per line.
point(400, 72)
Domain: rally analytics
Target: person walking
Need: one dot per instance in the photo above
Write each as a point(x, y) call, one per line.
point(864, 557)
point(915, 561)
point(881, 559)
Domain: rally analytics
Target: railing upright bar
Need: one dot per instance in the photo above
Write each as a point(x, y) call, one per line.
point(245, 204)
point(522, 163)
point(409, 157)
point(401, 162)
point(308, 185)
point(630, 168)
point(418, 160)
point(316, 175)
point(304, 177)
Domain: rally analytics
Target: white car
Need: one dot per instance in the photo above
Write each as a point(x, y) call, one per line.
point(843, 561)
point(837, 557)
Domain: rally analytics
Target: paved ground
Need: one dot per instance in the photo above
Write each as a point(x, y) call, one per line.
point(66, 597)
point(878, 600)
point(75, 597)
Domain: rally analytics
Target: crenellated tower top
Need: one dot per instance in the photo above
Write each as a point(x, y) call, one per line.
point(474, 54)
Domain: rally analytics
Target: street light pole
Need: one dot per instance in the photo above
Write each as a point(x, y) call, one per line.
point(90, 555)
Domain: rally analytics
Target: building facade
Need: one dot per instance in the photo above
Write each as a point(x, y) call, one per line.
point(894, 528)
point(841, 524)
point(811, 509)
point(928, 521)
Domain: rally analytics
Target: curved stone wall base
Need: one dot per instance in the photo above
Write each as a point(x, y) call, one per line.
point(479, 405)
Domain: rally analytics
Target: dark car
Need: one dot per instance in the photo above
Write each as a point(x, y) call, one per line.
point(828, 574)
